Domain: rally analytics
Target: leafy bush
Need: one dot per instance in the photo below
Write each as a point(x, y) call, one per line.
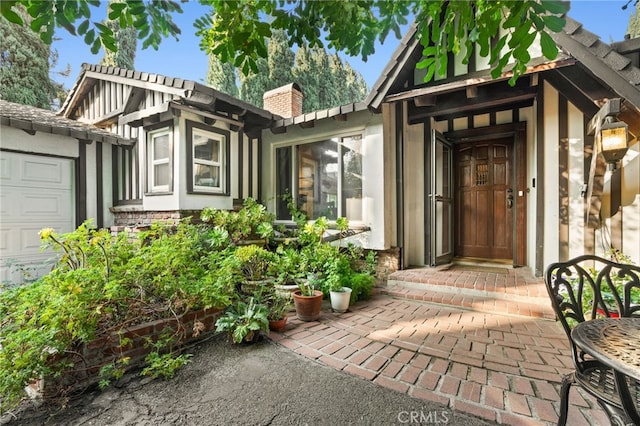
point(243, 321)
point(252, 221)
point(100, 285)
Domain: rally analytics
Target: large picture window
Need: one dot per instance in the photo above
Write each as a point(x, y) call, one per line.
point(159, 150)
point(325, 180)
point(207, 159)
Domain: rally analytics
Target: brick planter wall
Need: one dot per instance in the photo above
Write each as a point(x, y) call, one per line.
point(388, 263)
point(90, 357)
point(146, 218)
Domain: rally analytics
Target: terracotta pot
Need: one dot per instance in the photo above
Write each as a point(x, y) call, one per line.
point(278, 325)
point(308, 307)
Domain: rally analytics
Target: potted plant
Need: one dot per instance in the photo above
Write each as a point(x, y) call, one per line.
point(308, 300)
point(289, 269)
point(254, 265)
point(244, 321)
point(278, 305)
point(338, 271)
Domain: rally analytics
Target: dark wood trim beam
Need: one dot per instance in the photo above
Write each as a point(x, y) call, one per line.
point(611, 108)
point(572, 92)
point(600, 69)
point(539, 186)
point(240, 172)
point(458, 103)
point(563, 178)
point(426, 100)
point(81, 181)
point(499, 131)
point(99, 186)
point(133, 100)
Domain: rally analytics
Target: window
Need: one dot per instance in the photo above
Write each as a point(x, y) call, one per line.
point(207, 158)
point(207, 161)
point(326, 178)
point(159, 161)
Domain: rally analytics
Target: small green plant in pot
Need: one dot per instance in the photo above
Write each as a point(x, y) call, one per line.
point(339, 294)
point(278, 305)
point(308, 300)
point(244, 321)
point(254, 266)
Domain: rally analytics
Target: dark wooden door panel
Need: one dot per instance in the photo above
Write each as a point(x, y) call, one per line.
point(484, 215)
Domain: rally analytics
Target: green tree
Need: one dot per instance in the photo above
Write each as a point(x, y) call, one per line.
point(303, 74)
point(126, 44)
point(327, 93)
point(358, 88)
point(238, 31)
point(253, 85)
point(222, 76)
point(24, 66)
point(348, 84)
point(280, 60)
point(633, 28)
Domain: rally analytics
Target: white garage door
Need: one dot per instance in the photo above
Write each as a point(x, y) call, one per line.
point(35, 192)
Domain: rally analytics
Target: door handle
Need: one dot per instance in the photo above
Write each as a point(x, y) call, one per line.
point(509, 198)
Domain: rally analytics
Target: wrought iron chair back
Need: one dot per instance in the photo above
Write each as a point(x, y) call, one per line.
point(582, 289)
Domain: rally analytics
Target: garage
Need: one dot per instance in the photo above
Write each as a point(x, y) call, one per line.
point(54, 173)
point(36, 192)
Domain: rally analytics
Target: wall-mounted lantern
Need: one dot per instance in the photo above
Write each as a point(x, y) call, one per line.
point(614, 136)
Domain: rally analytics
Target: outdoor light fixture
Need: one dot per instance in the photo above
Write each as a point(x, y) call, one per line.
point(613, 138)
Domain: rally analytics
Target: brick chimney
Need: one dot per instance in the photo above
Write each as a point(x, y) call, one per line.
point(285, 101)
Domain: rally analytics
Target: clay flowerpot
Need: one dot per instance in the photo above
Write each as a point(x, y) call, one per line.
point(340, 299)
point(308, 307)
point(278, 325)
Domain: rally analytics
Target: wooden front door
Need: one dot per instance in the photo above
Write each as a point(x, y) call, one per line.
point(484, 199)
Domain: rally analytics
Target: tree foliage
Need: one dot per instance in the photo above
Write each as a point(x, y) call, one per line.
point(126, 43)
point(280, 59)
point(253, 85)
point(24, 67)
point(222, 76)
point(325, 81)
point(633, 27)
point(237, 32)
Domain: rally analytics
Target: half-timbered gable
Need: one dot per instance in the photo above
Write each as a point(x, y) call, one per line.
point(196, 147)
point(490, 171)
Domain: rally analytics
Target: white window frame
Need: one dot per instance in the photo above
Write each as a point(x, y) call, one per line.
point(198, 161)
point(152, 163)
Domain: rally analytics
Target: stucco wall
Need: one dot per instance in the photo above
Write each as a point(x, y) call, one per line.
point(373, 164)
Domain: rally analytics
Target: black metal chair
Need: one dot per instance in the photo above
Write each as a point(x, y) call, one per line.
point(582, 289)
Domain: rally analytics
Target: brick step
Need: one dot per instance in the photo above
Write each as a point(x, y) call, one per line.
point(496, 304)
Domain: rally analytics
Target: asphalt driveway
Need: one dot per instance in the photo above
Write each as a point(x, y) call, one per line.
point(261, 384)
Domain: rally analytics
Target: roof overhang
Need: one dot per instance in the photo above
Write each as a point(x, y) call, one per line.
point(33, 120)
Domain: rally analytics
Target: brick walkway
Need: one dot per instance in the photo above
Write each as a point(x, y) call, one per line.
point(502, 368)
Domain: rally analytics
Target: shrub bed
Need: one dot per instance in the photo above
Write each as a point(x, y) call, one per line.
point(105, 287)
point(115, 302)
point(89, 359)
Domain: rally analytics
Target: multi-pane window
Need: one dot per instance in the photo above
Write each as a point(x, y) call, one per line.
point(324, 177)
point(207, 161)
point(159, 161)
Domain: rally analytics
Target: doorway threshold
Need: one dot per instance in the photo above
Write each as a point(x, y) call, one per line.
point(478, 261)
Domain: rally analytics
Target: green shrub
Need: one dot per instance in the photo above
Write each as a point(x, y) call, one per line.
point(100, 285)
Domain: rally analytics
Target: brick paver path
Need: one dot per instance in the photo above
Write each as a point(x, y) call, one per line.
point(501, 368)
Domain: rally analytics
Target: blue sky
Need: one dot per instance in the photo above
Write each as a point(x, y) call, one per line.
point(184, 58)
